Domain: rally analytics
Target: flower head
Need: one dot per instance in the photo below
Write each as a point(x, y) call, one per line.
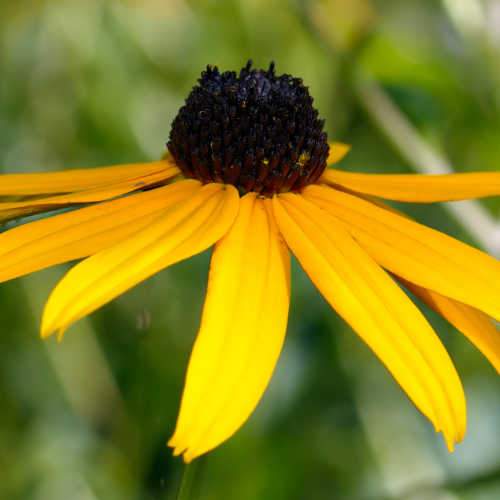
point(256, 131)
point(246, 174)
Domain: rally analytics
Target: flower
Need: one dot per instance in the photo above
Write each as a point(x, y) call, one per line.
point(246, 173)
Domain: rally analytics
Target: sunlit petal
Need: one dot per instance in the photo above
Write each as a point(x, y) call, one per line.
point(475, 325)
point(417, 188)
point(338, 151)
point(415, 252)
point(83, 232)
point(12, 210)
point(78, 179)
point(377, 309)
point(182, 231)
point(241, 334)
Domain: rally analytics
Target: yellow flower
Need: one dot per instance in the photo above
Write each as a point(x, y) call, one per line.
point(246, 173)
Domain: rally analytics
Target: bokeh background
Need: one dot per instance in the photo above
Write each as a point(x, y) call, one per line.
point(413, 85)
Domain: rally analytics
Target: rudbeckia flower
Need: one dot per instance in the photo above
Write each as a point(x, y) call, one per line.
point(246, 172)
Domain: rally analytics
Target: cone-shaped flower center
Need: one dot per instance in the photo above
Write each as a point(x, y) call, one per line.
point(257, 131)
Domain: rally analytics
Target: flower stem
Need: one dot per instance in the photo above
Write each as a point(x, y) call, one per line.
point(188, 488)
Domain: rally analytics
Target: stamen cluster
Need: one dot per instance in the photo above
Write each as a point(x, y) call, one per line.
point(255, 130)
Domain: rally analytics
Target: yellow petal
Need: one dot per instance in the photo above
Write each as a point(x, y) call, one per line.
point(13, 210)
point(78, 179)
point(83, 232)
point(183, 230)
point(241, 334)
point(377, 309)
point(417, 188)
point(338, 151)
point(474, 324)
point(415, 252)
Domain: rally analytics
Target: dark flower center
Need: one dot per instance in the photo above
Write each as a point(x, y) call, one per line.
point(257, 131)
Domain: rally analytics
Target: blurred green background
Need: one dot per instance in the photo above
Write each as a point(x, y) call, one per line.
point(98, 82)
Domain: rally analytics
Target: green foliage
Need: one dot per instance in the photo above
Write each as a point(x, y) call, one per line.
point(98, 82)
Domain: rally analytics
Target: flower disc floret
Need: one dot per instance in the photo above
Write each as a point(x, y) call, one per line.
point(254, 130)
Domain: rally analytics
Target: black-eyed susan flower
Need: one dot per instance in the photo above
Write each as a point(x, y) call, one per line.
point(246, 173)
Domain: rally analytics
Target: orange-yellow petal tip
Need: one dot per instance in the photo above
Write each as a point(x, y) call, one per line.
point(45, 332)
point(60, 335)
point(338, 150)
point(51, 327)
point(47, 328)
point(189, 456)
point(452, 440)
point(177, 447)
point(450, 444)
point(177, 451)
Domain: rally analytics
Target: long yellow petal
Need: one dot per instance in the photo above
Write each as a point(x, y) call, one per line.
point(474, 324)
point(182, 231)
point(415, 252)
point(377, 309)
point(83, 232)
point(13, 210)
point(338, 151)
point(241, 335)
point(417, 188)
point(78, 179)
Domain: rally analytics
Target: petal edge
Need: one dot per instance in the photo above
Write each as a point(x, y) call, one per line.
point(377, 309)
point(241, 333)
point(417, 188)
